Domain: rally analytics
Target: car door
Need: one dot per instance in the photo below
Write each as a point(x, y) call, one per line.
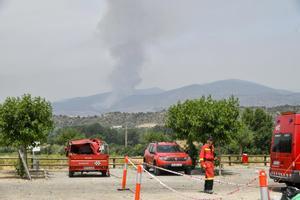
point(152, 153)
point(147, 154)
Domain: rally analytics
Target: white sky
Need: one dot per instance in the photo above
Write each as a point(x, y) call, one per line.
point(51, 48)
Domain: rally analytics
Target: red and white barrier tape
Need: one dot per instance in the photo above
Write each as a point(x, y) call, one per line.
point(132, 163)
point(238, 185)
point(175, 191)
point(170, 188)
point(202, 179)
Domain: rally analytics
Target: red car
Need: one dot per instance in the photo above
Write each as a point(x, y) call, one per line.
point(167, 155)
point(88, 155)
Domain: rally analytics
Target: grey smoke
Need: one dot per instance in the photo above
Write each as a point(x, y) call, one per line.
point(128, 29)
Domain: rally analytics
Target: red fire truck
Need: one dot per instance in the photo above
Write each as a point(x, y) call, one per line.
point(88, 155)
point(285, 149)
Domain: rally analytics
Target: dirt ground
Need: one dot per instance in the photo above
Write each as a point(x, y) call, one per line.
point(90, 187)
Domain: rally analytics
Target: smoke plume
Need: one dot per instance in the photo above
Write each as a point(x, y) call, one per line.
point(128, 29)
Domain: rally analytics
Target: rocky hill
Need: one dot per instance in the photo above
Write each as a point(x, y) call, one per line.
point(155, 99)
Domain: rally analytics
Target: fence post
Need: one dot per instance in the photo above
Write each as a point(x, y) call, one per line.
point(265, 160)
point(229, 158)
point(32, 163)
point(138, 182)
point(114, 163)
point(124, 178)
point(263, 184)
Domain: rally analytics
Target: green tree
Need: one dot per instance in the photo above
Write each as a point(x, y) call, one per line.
point(66, 134)
point(242, 140)
point(195, 120)
point(152, 136)
point(24, 121)
point(261, 124)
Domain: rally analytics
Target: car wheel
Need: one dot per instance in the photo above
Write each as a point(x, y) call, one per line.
point(71, 174)
point(105, 174)
point(157, 171)
point(145, 166)
point(188, 171)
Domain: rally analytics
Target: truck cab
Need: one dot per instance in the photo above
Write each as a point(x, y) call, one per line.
point(88, 155)
point(285, 149)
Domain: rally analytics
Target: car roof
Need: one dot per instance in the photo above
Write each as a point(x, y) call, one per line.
point(83, 141)
point(166, 143)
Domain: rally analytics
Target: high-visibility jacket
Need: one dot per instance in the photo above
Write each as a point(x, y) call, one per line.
point(207, 153)
point(207, 160)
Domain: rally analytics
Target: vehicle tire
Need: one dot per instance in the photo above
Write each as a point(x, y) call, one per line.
point(188, 171)
point(145, 166)
point(288, 184)
point(71, 174)
point(157, 171)
point(104, 173)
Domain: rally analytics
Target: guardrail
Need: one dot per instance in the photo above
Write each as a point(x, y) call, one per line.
point(119, 161)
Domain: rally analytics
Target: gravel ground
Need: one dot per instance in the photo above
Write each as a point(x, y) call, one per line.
point(60, 186)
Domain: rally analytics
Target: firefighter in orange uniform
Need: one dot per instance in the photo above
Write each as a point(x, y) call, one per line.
point(207, 157)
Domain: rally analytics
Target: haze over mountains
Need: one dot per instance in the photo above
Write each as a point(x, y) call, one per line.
point(156, 99)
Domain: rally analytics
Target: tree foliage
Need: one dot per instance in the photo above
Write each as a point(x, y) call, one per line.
point(25, 120)
point(66, 134)
point(197, 119)
point(152, 136)
point(242, 141)
point(261, 124)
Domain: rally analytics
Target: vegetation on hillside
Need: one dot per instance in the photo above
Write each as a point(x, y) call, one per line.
point(235, 129)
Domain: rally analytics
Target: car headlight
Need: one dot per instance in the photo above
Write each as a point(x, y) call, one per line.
point(163, 158)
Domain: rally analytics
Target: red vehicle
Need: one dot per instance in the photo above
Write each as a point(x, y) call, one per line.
point(88, 155)
point(167, 155)
point(285, 149)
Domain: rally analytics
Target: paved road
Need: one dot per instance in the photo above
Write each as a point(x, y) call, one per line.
point(60, 186)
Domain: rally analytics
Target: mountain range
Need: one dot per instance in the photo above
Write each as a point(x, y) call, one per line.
point(156, 99)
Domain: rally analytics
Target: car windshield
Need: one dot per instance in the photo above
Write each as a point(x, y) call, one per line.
point(282, 143)
point(168, 148)
point(81, 149)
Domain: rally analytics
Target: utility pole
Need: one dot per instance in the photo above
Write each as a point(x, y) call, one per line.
point(126, 137)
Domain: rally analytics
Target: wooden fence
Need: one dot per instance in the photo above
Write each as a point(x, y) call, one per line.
point(46, 162)
point(53, 163)
point(252, 159)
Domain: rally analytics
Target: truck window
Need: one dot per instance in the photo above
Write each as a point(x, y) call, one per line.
point(103, 148)
point(282, 143)
point(81, 149)
point(151, 148)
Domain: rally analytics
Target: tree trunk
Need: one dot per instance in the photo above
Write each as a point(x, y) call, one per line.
point(220, 164)
point(241, 150)
point(23, 163)
point(192, 151)
point(21, 166)
point(24, 151)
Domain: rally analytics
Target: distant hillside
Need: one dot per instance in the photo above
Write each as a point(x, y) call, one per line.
point(155, 99)
point(138, 119)
point(113, 119)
